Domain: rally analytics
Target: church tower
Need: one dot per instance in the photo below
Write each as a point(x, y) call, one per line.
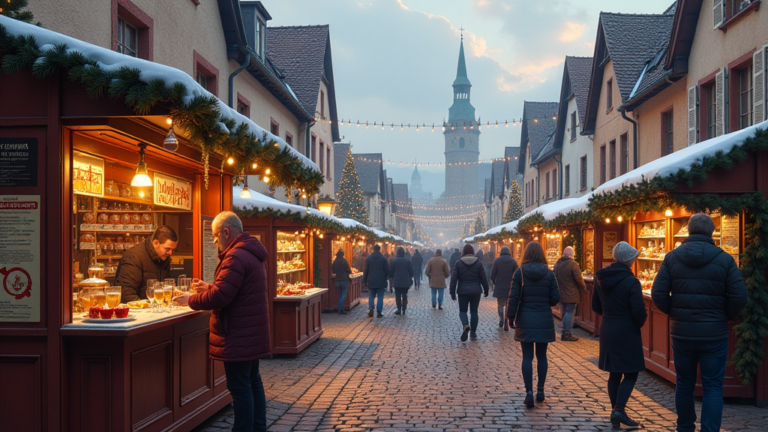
point(462, 139)
point(416, 190)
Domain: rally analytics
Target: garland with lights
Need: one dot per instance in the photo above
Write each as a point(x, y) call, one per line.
point(200, 117)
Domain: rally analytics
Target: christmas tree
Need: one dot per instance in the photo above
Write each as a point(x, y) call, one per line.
point(350, 195)
point(479, 227)
point(14, 9)
point(515, 206)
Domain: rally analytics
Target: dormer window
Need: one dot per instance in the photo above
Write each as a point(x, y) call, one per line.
point(260, 37)
point(255, 18)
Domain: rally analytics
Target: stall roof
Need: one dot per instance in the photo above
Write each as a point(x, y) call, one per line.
point(263, 202)
point(109, 60)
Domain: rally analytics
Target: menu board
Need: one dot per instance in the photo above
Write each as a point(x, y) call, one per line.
point(610, 238)
point(210, 252)
point(18, 161)
point(20, 258)
point(87, 175)
point(172, 192)
point(729, 236)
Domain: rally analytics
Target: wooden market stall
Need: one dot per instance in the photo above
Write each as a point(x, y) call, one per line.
point(328, 248)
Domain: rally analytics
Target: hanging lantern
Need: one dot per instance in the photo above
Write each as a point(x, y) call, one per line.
point(171, 143)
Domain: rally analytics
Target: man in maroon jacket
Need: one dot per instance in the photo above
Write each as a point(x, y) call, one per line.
point(239, 329)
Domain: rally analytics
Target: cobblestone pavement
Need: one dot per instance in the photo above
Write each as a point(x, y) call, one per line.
point(412, 373)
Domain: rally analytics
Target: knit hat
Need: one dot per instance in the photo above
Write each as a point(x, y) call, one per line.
point(468, 250)
point(624, 253)
point(340, 253)
point(505, 250)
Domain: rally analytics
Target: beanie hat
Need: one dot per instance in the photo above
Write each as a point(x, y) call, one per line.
point(505, 250)
point(624, 253)
point(468, 250)
point(340, 253)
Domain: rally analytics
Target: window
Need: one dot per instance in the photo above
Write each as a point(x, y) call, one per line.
point(711, 106)
point(583, 168)
point(612, 156)
point(667, 142)
point(289, 139)
point(328, 162)
point(205, 73)
point(567, 179)
point(602, 164)
point(321, 164)
point(534, 192)
point(322, 104)
point(546, 190)
point(127, 38)
point(573, 126)
point(745, 97)
point(554, 183)
point(274, 127)
point(260, 37)
point(243, 105)
point(609, 94)
point(624, 154)
point(312, 145)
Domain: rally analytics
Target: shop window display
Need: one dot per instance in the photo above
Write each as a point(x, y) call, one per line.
point(589, 253)
point(292, 276)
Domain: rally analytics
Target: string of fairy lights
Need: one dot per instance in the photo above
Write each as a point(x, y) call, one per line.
point(430, 164)
point(419, 126)
point(438, 207)
point(441, 218)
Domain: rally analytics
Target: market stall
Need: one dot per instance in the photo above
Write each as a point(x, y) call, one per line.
point(86, 179)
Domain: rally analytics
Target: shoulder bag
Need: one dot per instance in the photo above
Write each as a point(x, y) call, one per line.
point(520, 296)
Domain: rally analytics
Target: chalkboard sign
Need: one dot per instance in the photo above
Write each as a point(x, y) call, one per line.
point(18, 161)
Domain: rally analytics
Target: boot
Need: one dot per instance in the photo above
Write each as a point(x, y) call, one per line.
point(397, 312)
point(506, 325)
point(528, 399)
point(501, 322)
point(434, 305)
point(473, 335)
point(540, 394)
point(465, 333)
point(568, 337)
point(370, 313)
point(440, 307)
point(620, 417)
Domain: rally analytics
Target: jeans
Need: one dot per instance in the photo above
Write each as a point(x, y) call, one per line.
point(342, 287)
point(568, 310)
point(473, 302)
point(247, 390)
point(401, 298)
point(620, 390)
point(710, 357)
point(437, 296)
point(541, 364)
point(377, 293)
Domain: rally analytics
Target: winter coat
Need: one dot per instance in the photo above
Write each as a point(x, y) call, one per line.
point(618, 297)
point(239, 325)
point(418, 261)
point(569, 280)
point(376, 271)
point(139, 264)
point(700, 287)
point(502, 272)
point(454, 257)
point(535, 322)
point(341, 268)
point(469, 275)
point(401, 272)
point(437, 271)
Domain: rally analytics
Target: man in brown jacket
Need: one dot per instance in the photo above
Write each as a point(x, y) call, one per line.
point(570, 284)
point(437, 271)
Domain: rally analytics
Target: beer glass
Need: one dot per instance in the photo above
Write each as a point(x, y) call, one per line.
point(113, 296)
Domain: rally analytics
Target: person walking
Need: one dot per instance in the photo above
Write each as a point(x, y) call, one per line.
point(341, 271)
point(239, 334)
point(700, 287)
point(534, 292)
point(375, 275)
point(570, 284)
point(389, 279)
point(401, 272)
point(437, 272)
point(502, 272)
point(418, 262)
point(454, 257)
point(618, 298)
point(490, 258)
point(468, 280)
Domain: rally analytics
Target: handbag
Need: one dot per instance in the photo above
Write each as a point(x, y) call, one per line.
point(520, 296)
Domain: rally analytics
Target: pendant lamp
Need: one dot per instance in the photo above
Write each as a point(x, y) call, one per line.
point(141, 179)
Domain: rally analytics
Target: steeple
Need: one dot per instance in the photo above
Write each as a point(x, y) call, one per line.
point(461, 109)
point(461, 70)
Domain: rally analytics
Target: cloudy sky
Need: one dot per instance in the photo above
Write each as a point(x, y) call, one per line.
point(395, 60)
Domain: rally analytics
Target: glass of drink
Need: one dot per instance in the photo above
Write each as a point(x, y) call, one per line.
point(193, 283)
point(113, 294)
point(98, 297)
point(150, 295)
point(85, 299)
point(159, 296)
point(168, 295)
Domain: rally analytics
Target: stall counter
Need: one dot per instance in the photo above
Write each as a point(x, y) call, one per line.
point(297, 321)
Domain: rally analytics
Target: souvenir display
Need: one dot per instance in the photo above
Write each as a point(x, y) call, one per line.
point(653, 229)
point(291, 262)
point(589, 252)
point(295, 289)
point(294, 264)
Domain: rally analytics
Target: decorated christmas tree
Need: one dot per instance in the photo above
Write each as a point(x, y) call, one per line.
point(515, 206)
point(15, 9)
point(349, 198)
point(479, 227)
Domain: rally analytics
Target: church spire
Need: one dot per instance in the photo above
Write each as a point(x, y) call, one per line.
point(461, 70)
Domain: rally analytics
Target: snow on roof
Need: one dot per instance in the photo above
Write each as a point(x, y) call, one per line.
point(683, 159)
point(469, 239)
point(263, 202)
point(109, 60)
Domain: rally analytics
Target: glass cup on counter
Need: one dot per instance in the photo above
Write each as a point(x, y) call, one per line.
point(151, 294)
point(168, 296)
point(113, 294)
point(98, 297)
point(159, 296)
point(84, 296)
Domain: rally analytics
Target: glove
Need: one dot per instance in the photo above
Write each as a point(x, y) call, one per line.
point(486, 294)
point(453, 297)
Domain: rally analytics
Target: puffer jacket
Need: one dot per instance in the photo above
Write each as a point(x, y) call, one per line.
point(535, 322)
point(238, 298)
point(418, 262)
point(700, 287)
point(437, 271)
point(569, 280)
point(139, 264)
point(376, 271)
point(502, 272)
point(401, 271)
point(454, 257)
point(341, 269)
point(469, 276)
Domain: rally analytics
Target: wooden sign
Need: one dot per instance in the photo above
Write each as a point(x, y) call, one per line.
point(87, 175)
point(610, 238)
point(172, 192)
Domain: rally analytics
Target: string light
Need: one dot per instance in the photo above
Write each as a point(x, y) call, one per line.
point(428, 164)
point(423, 125)
point(230, 160)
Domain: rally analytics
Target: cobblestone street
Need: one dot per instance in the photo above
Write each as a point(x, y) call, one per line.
point(413, 373)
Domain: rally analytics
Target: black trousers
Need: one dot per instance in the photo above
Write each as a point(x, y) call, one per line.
point(401, 298)
point(619, 390)
point(541, 364)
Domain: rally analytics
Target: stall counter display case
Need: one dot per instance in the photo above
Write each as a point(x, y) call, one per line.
point(292, 274)
point(554, 244)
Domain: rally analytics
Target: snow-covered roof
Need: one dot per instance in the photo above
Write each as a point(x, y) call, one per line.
point(509, 227)
point(109, 60)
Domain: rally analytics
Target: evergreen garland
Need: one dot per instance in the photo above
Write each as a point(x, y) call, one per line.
point(311, 221)
point(515, 205)
point(200, 118)
point(15, 9)
point(349, 197)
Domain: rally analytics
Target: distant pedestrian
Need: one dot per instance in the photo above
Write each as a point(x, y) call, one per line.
point(341, 271)
point(437, 271)
point(375, 275)
point(455, 257)
point(401, 272)
point(418, 263)
point(700, 287)
point(428, 255)
point(571, 284)
point(489, 258)
point(502, 272)
point(468, 280)
point(534, 292)
point(389, 279)
point(480, 256)
point(618, 298)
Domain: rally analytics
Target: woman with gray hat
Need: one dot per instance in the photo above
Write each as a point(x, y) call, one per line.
point(618, 298)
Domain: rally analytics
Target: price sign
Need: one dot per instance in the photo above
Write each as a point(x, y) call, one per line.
point(172, 192)
point(87, 175)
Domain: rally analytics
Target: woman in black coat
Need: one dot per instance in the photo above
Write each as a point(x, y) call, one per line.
point(418, 266)
point(534, 292)
point(401, 273)
point(618, 297)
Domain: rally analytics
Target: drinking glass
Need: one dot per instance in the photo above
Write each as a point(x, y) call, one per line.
point(113, 296)
point(85, 299)
point(98, 297)
point(184, 285)
point(150, 295)
point(159, 296)
point(168, 296)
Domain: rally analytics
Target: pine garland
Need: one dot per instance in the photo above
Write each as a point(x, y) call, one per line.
point(200, 118)
point(16, 9)
point(311, 221)
point(349, 196)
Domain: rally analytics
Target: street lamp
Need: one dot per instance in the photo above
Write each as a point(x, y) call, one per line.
point(326, 205)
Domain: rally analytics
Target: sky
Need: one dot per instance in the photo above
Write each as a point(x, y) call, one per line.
point(395, 61)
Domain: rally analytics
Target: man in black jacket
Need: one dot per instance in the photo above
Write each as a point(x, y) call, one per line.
point(700, 287)
point(150, 259)
point(455, 257)
point(401, 272)
point(375, 274)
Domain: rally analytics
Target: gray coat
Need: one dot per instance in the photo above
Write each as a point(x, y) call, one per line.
point(502, 272)
point(535, 322)
point(376, 271)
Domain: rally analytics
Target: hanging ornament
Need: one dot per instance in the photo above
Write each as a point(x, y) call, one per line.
point(171, 143)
